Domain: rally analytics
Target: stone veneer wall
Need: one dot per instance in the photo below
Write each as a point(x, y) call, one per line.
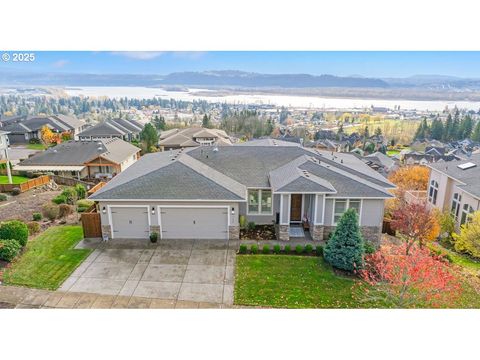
point(106, 232)
point(372, 234)
point(282, 232)
point(316, 231)
point(234, 232)
point(155, 228)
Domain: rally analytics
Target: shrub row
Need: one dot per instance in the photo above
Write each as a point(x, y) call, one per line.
point(13, 236)
point(277, 249)
point(70, 195)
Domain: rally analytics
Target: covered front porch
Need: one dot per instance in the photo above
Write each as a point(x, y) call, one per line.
point(300, 216)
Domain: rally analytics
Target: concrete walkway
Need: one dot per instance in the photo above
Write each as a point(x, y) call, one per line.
point(13, 297)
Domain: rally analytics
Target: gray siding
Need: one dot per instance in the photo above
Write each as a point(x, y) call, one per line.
point(372, 212)
point(319, 219)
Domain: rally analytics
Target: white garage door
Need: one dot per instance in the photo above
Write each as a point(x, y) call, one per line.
point(194, 223)
point(130, 222)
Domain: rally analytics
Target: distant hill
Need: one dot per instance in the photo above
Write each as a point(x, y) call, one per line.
point(207, 78)
point(245, 79)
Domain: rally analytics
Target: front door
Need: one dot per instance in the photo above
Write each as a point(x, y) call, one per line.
point(296, 207)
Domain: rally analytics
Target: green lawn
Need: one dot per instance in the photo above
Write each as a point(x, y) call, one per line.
point(456, 258)
point(48, 259)
point(393, 152)
point(288, 281)
point(36, 146)
point(15, 179)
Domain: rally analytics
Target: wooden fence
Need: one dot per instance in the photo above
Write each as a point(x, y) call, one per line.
point(30, 184)
point(96, 187)
point(91, 224)
point(68, 181)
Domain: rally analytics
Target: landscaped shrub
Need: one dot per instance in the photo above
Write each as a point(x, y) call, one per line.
point(242, 221)
point(369, 248)
point(276, 249)
point(319, 250)
point(33, 227)
point(50, 211)
point(287, 249)
point(346, 248)
point(81, 191)
point(37, 216)
point(64, 210)
point(154, 237)
point(3, 197)
point(59, 199)
point(9, 248)
point(254, 249)
point(299, 249)
point(16, 191)
point(243, 249)
point(34, 141)
point(14, 229)
point(70, 195)
point(84, 204)
point(308, 249)
point(251, 225)
point(266, 249)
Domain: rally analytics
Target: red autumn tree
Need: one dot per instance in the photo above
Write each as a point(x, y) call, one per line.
point(415, 223)
point(418, 279)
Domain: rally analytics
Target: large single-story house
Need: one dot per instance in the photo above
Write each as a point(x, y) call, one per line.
point(84, 159)
point(22, 129)
point(192, 137)
point(127, 130)
point(455, 186)
point(200, 193)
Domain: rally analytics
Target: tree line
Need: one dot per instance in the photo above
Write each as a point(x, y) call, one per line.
point(452, 129)
point(247, 123)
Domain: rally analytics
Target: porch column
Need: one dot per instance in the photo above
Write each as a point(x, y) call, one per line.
point(316, 229)
point(283, 227)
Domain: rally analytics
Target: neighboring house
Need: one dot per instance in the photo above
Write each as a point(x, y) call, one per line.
point(124, 129)
point(455, 186)
point(84, 159)
point(200, 193)
point(380, 160)
point(4, 155)
point(22, 129)
point(192, 137)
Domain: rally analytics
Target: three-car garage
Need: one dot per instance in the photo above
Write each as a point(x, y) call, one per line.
point(174, 221)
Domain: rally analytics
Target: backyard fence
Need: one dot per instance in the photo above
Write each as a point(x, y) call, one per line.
point(30, 184)
point(91, 224)
point(68, 181)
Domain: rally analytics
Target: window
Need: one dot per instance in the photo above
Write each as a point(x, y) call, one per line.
point(340, 208)
point(341, 205)
point(259, 202)
point(433, 192)
point(457, 199)
point(466, 211)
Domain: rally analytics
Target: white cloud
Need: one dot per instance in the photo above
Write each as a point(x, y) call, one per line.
point(139, 55)
point(60, 63)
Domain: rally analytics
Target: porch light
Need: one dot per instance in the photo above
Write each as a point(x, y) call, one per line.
point(153, 210)
point(104, 210)
point(233, 211)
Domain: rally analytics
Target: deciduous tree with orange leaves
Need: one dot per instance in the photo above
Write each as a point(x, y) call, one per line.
point(415, 223)
point(419, 279)
point(411, 177)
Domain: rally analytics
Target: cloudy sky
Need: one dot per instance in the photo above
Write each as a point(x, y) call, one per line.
point(370, 64)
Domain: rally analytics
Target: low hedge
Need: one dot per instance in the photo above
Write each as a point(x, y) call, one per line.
point(9, 249)
point(14, 229)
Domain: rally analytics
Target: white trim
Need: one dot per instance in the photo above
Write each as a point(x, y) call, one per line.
point(166, 200)
point(360, 198)
point(303, 208)
point(259, 191)
point(289, 207)
point(323, 213)
point(348, 207)
point(315, 210)
point(159, 207)
point(110, 219)
point(281, 211)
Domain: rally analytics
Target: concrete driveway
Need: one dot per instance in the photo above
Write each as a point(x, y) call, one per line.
point(180, 270)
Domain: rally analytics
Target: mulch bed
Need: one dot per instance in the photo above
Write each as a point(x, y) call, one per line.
point(261, 232)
